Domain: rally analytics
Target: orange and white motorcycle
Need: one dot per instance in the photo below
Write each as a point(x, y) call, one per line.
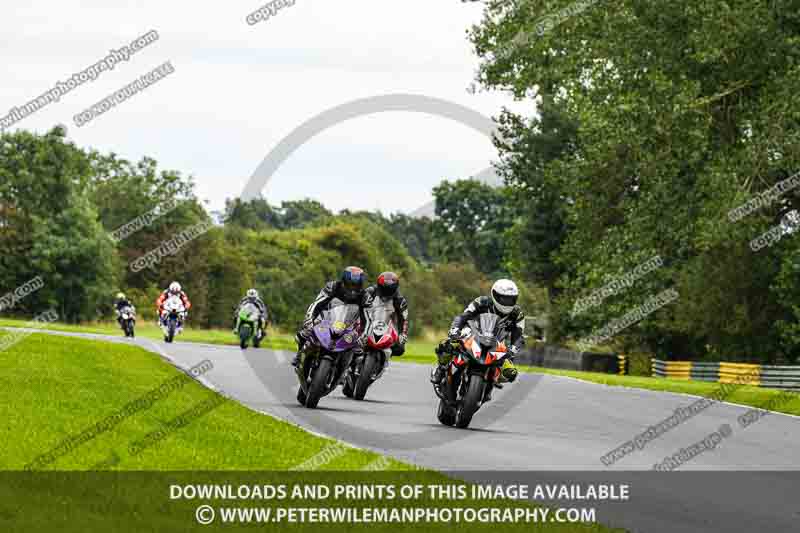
point(478, 358)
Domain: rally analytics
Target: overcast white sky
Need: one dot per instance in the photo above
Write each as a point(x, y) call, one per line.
point(237, 90)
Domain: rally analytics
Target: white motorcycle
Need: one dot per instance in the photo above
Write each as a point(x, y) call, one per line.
point(172, 317)
point(127, 319)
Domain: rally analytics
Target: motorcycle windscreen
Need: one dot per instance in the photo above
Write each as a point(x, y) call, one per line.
point(380, 318)
point(341, 316)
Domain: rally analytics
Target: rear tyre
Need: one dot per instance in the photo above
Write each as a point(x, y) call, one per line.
point(319, 383)
point(469, 404)
point(446, 414)
point(365, 378)
point(257, 340)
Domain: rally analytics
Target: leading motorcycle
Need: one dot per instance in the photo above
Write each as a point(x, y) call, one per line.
point(172, 317)
point(478, 357)
point(327, 354)
point(369, 367)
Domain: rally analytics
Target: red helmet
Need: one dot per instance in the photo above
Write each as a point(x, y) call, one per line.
point(388, 284)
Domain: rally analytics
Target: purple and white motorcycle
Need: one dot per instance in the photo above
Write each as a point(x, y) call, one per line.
point(326, 356)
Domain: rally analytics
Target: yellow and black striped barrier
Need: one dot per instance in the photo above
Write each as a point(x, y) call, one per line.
point(777, 377)
point(622, 362)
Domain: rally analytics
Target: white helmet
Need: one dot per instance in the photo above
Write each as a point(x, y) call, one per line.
point(175, 287)
point(252, 293)
point(504, 295)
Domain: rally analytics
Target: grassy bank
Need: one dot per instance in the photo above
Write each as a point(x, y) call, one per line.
point(276, 339)
point(52, 387)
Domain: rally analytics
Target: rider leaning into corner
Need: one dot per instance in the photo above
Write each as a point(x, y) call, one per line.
point(502, 302)
point(349, 288)
point(252, 297)
point(387, 289)
point(173, 290)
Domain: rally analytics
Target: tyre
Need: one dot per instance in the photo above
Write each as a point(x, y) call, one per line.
point(319, 383)
point(170, 332)
point(244, 336)
point(365, 378)
point(301, 396)
point(469, 404)
point(445, 414)
point(347, 388)
point(257, 340)
point(131, 330)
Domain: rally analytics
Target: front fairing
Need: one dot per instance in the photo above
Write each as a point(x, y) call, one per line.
point(383, 333)
point(337, 329)
point(249, 313)
point(485, 341)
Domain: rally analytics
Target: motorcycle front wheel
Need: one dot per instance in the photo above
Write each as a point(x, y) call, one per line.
point(319, 383)
point(365, 378)
point(470, 403)
point(244, 336)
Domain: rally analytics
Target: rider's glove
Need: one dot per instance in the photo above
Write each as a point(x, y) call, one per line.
point(454, 334)
point(403, 339)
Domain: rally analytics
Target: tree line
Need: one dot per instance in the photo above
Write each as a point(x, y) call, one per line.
point(79, 220)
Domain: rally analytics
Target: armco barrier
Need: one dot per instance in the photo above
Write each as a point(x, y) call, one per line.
point(774, 377)
point(549, 356)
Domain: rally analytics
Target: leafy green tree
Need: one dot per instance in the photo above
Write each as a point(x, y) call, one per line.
point(50, 228)
point(684, 111)
point(471, 218)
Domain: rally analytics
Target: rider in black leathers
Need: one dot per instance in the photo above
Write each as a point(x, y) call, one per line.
point(350, 289)
point(502, 302)
point(388, 288)
point(121, 303)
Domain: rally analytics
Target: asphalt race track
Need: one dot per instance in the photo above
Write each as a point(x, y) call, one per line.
point(544, 423)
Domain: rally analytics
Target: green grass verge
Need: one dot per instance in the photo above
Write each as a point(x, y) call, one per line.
point(53, 387)
point(275, 340)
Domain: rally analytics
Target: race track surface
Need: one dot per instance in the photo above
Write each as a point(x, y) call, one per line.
point(543, 423)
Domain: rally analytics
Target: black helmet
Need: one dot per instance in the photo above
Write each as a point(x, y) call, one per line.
point(388, 284)
point(352, 282)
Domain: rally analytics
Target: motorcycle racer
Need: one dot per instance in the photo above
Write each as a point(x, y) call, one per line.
point(502, 302)
point(253, 298)
point(121, 302)
point(349, 288)
point(173, 290)
point(387, 289)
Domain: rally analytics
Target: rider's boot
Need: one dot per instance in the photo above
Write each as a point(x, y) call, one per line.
point(438, 374)
point(301, 341)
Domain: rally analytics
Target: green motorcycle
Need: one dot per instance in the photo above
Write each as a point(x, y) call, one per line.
point(249, 326)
